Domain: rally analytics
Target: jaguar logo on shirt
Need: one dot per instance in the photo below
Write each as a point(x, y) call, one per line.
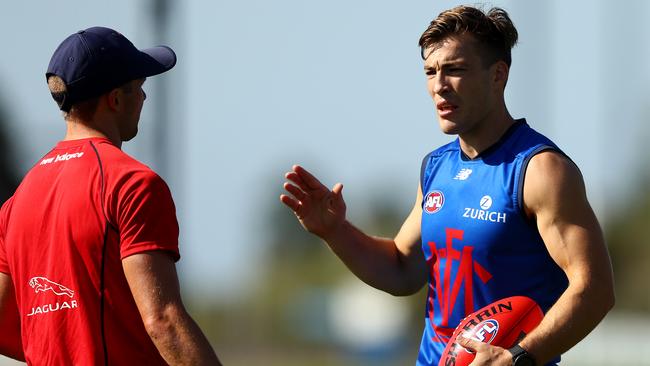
point(43, 285)
point(433, 202)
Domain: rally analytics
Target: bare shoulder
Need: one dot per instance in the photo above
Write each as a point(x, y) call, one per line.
point(551, 165)
point(551, 180)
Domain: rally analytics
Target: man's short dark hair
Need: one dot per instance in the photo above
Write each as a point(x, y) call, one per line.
point(494, 31)
point(85, 109)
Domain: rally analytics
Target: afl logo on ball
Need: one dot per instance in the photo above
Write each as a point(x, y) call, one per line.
point(484, 331)
point(433, 202)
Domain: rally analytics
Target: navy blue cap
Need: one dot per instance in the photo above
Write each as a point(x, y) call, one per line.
point(94, 61)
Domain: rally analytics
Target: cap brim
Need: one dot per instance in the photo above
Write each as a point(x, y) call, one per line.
point(156, 60)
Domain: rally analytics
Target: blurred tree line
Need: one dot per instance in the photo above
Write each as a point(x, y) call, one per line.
point(628, 237)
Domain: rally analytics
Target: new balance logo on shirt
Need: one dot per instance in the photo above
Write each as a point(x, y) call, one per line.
point(64, 157)
point(463, 174)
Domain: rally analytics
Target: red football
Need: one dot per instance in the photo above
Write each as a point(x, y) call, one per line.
point(502, 323)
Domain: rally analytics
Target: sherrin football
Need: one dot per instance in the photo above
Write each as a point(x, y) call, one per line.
point(502, 323)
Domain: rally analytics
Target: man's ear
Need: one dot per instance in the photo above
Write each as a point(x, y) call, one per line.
point(500, 75)
point(114, 99)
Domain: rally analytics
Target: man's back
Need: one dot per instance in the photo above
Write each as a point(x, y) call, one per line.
point(76, 215)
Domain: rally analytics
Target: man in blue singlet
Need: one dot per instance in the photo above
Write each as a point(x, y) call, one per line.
point(500, 211)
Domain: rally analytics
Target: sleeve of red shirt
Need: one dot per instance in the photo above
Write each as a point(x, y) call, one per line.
point(145, 215)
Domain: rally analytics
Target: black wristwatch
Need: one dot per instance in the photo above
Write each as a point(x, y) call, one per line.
point(520, 357)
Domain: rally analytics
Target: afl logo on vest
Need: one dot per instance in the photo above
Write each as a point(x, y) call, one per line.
point(433, 202)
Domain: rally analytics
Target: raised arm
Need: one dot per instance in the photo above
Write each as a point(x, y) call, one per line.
point(10, 339)
point(394, 265)
point(555, 198)
point(154, 283)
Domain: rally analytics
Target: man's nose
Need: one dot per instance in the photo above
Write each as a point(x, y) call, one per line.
point(440, 83)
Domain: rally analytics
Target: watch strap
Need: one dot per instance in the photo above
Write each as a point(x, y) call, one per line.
point(519, 353)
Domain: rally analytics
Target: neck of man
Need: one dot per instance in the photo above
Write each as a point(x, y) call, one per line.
point(77, 129)
point(485, 134)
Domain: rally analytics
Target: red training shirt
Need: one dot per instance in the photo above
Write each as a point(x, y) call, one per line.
point(80, 210)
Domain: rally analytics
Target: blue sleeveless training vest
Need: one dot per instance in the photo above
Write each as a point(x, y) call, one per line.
point(479, 245)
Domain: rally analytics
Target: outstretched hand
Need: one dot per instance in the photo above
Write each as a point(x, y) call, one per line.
point(320, 210)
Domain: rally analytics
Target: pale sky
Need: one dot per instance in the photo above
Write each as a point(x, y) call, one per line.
point(336, 86)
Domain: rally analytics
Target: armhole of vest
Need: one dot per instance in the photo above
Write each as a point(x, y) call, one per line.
point(519, 194)
point(423, 168)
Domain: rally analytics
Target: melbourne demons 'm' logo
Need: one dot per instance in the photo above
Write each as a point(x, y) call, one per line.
point(484, 331)
point(433, 202)
point(447, 287)
point(42, 284)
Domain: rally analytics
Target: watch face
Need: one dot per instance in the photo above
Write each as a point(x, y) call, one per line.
point(524, 360)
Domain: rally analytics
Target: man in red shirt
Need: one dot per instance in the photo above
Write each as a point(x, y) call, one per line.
point(89, 240)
